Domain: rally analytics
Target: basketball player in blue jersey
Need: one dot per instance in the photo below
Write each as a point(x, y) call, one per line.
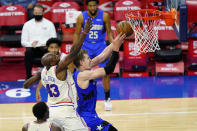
point(95, 41)
point(41, 112)
point(85, 83)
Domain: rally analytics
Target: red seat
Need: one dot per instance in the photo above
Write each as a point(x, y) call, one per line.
point(58, 10)
point(133, 61)
point(133, 64)
point(14, 15)
point(65, 48)
point(11, 52)
point(122, 6)
point(47, 7)
point(12, 19)
point(153, 4)
point(168, 54)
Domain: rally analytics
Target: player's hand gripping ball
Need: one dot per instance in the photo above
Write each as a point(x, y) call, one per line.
point(124, 27)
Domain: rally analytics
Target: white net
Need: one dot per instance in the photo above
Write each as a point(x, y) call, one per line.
point(145, 29)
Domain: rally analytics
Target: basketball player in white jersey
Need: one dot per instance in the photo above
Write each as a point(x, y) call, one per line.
point(53, 46)
point(41, 112)
point(56, 79)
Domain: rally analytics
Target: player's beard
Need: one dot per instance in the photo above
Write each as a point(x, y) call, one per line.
point(93, 14)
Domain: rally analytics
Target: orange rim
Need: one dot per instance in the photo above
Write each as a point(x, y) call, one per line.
point(168, 16)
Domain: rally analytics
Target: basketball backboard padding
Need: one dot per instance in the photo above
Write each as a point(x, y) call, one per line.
point(182, 27)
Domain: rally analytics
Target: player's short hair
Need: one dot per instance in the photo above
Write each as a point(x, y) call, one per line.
point(87, 1)
point(52, 41)
point(39, 110)
point(39, 6)
point(79, 57)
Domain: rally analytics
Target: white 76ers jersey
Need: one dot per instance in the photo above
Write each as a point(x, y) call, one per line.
point(58, 91)
point(45, 126)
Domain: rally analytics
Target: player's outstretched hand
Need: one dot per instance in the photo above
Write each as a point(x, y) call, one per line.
point(88, 25)
point(26, 84)
point(117, 42)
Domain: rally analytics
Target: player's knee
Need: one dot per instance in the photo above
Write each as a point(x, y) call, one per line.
point(112, 128)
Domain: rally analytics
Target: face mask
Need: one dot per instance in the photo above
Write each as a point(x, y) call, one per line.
point(38, 17)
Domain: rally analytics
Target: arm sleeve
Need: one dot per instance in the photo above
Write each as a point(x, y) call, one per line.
point(109, 68)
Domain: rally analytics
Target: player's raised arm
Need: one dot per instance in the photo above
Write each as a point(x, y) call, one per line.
point(78, 28)
point(116, 43)
point(76, 47)
point(85, 76)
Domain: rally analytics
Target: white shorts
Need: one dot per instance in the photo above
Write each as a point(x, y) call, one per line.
point(67, 118)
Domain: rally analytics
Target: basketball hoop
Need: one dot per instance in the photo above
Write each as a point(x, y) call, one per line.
point(145, 23)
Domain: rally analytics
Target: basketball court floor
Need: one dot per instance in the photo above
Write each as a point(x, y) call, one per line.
point(139, 104)
point(166, 103)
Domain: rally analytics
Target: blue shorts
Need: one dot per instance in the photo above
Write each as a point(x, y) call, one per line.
point(94, 49)
point(96, 123)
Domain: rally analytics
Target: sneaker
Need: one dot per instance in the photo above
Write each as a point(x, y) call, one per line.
point(108, 105)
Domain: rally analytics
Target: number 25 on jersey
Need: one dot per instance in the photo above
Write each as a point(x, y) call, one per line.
point(93, 34)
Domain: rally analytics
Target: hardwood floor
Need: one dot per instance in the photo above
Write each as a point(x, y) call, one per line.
point(177, 114)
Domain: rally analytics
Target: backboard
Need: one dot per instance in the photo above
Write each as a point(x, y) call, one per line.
point(185, 16)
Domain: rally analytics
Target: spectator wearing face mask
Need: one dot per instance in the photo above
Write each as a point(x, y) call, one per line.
point(35, 33)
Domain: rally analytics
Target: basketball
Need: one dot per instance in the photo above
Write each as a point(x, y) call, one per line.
point(124, 27)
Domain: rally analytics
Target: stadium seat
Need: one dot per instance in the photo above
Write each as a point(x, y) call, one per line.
point(134, 64)
point(47, 7)
point(122, 6)
point(153, 4)
point(59, 9)
point(64, 17)
point(168, 60)
point(12, 18)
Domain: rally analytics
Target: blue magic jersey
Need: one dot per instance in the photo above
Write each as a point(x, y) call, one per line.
point(87, 105)
point(97, 32)
point(87, 97)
